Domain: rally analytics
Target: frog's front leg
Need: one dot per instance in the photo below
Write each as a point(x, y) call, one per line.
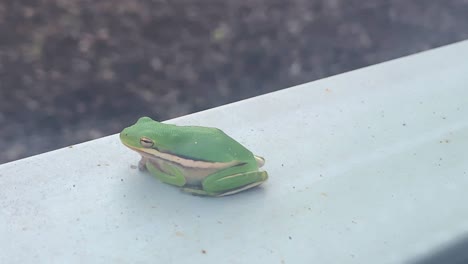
point(166, 173)
point(142, 163)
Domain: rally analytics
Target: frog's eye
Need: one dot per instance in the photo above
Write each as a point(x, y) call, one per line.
point(146, 142)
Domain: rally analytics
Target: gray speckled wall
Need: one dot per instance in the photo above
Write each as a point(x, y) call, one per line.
point(71, 71)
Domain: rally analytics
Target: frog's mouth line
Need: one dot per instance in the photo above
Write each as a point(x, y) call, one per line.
point(182, 161)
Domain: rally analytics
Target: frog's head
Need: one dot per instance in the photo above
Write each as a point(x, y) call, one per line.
point(141, 135)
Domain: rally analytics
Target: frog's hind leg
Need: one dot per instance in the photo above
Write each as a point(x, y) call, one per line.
point(233, 180)
point(200, 192)
point(246, 187)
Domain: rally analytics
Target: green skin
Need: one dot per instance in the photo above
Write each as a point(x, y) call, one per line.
point(200, 160)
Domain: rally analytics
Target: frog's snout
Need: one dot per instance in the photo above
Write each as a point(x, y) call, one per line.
point(124, 133)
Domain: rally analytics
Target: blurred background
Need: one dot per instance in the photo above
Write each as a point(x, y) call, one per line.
point(75, 70)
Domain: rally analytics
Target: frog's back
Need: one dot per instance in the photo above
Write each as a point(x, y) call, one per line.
point(209, 144)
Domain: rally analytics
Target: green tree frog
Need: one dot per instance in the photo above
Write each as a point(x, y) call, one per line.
point(201, 160)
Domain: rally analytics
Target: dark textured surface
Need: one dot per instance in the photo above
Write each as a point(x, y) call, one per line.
point(71, 71)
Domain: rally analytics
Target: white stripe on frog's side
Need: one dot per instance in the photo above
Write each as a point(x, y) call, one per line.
point(184, 162)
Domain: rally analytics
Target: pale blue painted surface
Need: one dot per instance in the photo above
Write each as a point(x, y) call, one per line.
point(365, 167)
